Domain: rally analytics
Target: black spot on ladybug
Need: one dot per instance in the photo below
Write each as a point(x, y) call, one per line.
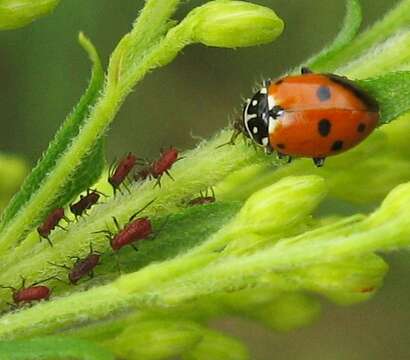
point(324, 126)
point(323, 93)
point(281, 146)
point(337, 145)
point(361, 127)
point(368, 100)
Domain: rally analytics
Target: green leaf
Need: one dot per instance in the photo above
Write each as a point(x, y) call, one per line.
point(350, 28)
point(82, 177)
point(18, 13)
point(392, 92)
point(52, 348)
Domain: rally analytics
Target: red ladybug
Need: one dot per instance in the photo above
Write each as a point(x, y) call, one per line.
point(310, 115)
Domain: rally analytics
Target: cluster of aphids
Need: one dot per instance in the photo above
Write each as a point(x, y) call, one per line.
point(137, 228)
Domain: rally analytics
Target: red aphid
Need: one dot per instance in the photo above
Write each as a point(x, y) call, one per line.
point(32, 293)
point(164, 163)
point(118, 175)
point(83, 267)
point(137, 229)
point(50, 223)
point(85, 203)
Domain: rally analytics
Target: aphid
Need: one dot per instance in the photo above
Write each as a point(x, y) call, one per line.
point(118, 174)
point(203, 199)
point(136, 229)
point(82, 267)
point(164, 163)
point(85, 203)
point(50, 223)
point(310, 115)
point(31, 293)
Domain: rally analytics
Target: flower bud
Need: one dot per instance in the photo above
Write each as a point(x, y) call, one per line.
point(215, 345)
point(234, 24)
point(156, 339)
point(18, 13)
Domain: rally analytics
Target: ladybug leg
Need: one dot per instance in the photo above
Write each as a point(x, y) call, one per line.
point(319, 161)
point(305, 70)
point(289, 159)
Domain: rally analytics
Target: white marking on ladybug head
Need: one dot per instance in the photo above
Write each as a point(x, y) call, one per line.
point(255, 130)
point(271, 102)
point(273, 124)
point(265, 141)
point(255, 102)
point(264, 90)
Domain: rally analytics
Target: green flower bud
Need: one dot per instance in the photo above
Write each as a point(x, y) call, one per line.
point(282, 204)
point(215, 345)
point(288, 312)
point(12, 172)
point(156, 339)
point(234, 24)
point(18, 13)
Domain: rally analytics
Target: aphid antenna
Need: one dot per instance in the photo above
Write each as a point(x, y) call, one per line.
point(107, 232)
point(112, 167)
point(142, 209)
point(92, 251)
point(97, 191)
point(54, 277)
point(58, 265)
point(8, 287)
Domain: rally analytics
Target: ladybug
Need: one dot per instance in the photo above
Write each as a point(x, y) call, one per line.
point(310, 115)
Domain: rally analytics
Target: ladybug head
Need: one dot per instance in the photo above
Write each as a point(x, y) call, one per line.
point(256, 117)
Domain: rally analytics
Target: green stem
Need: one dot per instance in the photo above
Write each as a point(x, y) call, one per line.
point(397, 18)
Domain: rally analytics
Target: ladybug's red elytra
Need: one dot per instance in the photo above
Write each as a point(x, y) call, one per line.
point(310, 115)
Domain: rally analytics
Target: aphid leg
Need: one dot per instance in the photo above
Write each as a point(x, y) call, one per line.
point(134, 247)
point(212, 192)
point(48, 240)
point(126, 187)
point(117, 225)
point(141, 210)
point(61, 227)
point(169, 175)
point(66, 219)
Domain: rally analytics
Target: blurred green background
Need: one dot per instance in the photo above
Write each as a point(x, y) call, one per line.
point(43, 72)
